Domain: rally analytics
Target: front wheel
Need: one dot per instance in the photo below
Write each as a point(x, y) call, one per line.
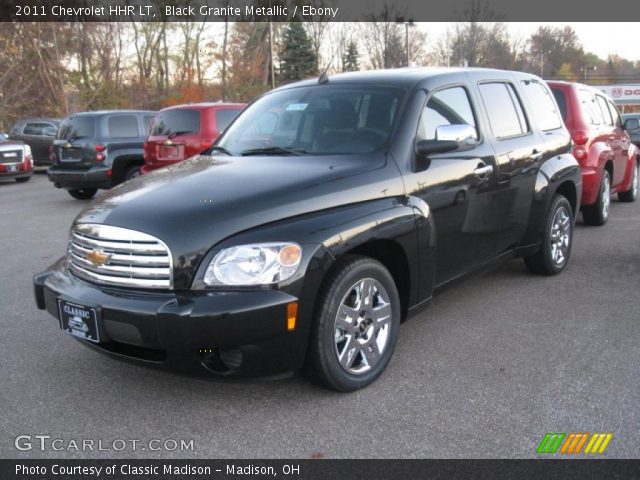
point(83, 193)
point(555, 251)
point(356, 325)
point(632, 194)
point(598, 214)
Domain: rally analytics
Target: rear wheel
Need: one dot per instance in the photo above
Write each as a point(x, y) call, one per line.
point(356, 325)
point(555, 251)
point(23, 179)
point(598, 214)
point(632, 194)
point(83, 193)
point(132, 172)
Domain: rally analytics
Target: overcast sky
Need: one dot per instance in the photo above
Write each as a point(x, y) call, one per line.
point(601, 38)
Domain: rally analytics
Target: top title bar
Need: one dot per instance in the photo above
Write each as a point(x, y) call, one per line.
point(315, 10)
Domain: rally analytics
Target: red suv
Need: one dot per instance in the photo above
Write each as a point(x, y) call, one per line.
point(183, 131)
point(608, 159)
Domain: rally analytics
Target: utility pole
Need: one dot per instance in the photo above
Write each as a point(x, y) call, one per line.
point(407, 24)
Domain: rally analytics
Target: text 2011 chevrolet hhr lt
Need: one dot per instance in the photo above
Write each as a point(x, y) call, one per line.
point(325, 214)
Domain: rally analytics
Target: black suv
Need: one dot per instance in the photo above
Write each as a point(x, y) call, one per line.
point(324, 215)
point(39, 134)
point(98, 150)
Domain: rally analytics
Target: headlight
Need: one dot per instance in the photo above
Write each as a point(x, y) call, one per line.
point(256, 264)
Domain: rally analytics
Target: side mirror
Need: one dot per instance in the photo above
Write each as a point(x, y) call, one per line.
point(424, 148)
point(631, 124)
point(448, 138)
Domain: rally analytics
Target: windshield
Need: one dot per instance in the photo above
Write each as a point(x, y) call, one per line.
point(318, 120)
point(76, 127)
point(176, 121)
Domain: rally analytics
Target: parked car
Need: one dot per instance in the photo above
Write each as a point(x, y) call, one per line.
point(98, 150)
point(39, 134)
point(16, 161)
point(323, 216)
point(183, 131)
point(608, 159)
point(631, 123)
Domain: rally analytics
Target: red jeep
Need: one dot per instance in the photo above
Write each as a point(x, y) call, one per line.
point(608, 159)
point(183, 131)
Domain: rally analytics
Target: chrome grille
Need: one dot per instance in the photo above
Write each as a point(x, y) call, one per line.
point(118, 256)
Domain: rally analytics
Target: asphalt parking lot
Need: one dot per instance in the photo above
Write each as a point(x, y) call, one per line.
point(486, 371)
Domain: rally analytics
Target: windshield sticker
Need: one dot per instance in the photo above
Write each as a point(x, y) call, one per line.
point(296, 107)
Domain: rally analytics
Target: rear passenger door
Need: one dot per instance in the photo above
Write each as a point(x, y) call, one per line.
point(519, 151)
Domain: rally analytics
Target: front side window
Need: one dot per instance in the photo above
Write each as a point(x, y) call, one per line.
point(450, 106)
point(506, 116)
point(317, 120)
point(33, 129)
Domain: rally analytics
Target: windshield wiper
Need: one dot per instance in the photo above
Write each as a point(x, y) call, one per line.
point(217, 148)
point(175, 134)
point(273, 151)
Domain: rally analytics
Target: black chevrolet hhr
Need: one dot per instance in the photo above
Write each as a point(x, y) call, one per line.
point(329, 211)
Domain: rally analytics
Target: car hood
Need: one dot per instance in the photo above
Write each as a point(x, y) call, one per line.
point(195, 204)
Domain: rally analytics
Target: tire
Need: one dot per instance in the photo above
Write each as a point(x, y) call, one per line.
point(598, 213)
point(83, 193)
point(23, 179)
point(349, 355)
point(555, 251)
point(632, 194)
point(132, 172)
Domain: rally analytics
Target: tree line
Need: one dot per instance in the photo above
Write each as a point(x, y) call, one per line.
point(53, 69)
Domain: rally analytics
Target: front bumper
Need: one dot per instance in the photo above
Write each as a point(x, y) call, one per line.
point(229, 334)
point(95, 177)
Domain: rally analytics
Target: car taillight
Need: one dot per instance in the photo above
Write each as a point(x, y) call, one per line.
point(580, 152)
point(101, 153)
point(52, 154)
point(580, 137)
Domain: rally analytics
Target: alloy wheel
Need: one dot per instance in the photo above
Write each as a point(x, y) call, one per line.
point(560, 237)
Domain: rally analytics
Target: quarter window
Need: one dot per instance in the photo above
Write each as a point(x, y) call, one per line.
point(615, 114)
point(590, 109)
point(604, 110)
point(450, 106)
point(505, 112)
point(123, 126)
point(543, 107)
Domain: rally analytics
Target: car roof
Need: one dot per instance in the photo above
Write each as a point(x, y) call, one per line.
point(204, 105)
point(107, 112)
point(39, 119)
point(407, 76)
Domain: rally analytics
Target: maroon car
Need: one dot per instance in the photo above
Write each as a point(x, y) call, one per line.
point(16, 161)
point(183, 131)
point(607, 158)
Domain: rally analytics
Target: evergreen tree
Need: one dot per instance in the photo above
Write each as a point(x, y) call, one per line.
point(350, 62)
point(297, 60)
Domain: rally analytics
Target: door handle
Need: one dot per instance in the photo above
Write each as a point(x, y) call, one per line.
point(536, 156)
point(483, 171)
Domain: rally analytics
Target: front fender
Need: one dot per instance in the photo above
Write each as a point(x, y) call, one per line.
point(561, 172)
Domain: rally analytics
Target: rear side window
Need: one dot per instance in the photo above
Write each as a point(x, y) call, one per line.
point(225, 117)
point(561, 100)
point(77, 127)
point(604, 110)
point(37, 128)
point(178, 120)
point(590, 109)
point(543, 107)
point(123, 126)
point(446, 107)
point(505, 112)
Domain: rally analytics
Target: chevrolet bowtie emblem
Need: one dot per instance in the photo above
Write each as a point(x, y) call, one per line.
point(98, 257)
